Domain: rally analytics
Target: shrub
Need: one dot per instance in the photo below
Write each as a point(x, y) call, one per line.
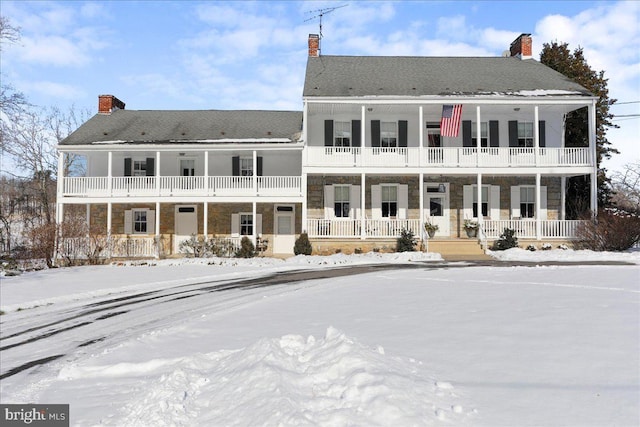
point(302, 245)
point(247, 249)
point(406, 242)
point(506, 241)
point(42, 242)
point(195, 246)
point(531, 247)
point(610, 231)
point(546, 246)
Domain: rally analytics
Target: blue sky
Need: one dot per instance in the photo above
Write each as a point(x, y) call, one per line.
point(252, 55)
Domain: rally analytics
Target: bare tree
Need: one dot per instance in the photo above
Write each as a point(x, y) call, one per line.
point(626, 188)
point(11, 101)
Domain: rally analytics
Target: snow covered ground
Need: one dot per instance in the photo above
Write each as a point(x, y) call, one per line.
point(220, 342)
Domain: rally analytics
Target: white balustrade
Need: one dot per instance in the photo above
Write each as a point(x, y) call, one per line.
point(133, 185)
point(526, 228)
point(279, 185)
point(352, 228)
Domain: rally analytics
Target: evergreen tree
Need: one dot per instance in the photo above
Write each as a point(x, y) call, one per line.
point(574, 65)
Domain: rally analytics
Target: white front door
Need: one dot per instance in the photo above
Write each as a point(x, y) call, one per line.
point(284, 236)
point(436, 209)
point(186, 224)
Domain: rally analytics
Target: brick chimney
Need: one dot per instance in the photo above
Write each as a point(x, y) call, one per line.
point(314, 45)
point(521, 47)
point(108, 103)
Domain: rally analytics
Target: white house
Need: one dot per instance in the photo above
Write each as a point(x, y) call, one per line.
point(365, 158)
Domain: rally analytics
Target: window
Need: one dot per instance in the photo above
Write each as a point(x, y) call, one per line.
point(434, 138)
point(525, 134)
point(342, 134)
point(527, 202)
point(139, 221)
point(389, 195)
point(139, 168)
point(341, 201)
point(484, 137)
point(246, 166)
point(388, 134)
point(485, 201)
point(246, 224)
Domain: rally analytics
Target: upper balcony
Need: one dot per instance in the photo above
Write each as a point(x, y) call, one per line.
point(492, 157)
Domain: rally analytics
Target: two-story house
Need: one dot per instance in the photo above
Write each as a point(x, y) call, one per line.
point(382, 144)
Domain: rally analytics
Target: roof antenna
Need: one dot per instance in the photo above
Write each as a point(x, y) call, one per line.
point(319, 13)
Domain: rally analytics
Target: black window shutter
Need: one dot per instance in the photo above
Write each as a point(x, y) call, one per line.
point(402, 133)
point(328, 133)
point(127, 166)
point(235, 166)
point(259, 165)
point(494, 138)
point(356, 133)
point(466, 134)
point(150, 167)
point(513, 133)
point(375, 133)
point(541, 134)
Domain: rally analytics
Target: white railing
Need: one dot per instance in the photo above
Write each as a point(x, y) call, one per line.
point(132, 186)
point(447, 157)
point(352, 228)
point(526, 228)
point(133, 247)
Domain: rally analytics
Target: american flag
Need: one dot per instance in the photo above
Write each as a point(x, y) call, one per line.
point(450, 122)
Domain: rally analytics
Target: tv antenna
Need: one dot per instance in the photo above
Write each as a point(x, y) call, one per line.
point(319, 13)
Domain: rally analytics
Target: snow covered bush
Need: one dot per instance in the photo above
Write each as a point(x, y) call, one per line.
point(302, 245)
point(563, 247)
point(247, 249)
point(546, 246)
point(506, 241)
point(531, 247)
point(406, 242)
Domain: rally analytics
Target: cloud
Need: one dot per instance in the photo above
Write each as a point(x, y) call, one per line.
point(56, 90)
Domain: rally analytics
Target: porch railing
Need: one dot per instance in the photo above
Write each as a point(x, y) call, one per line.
point(446, 157)
point(526, 228)
point(352, 228)
point(132, 186)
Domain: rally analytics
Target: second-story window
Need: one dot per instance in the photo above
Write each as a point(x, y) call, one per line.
point(388, 134)
point(525, 134)
point(246, 166)
point(341, 201)
point(342, 134)
point(484, 137)
point(433, 134)
point(389, 197)
point(139, 168)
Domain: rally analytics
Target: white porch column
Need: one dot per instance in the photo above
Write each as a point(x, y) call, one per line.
point(478, 135)
point(363, 138)
point(60, 188)
point(594, 157)
point(536, 133)
point(255, 174)
point(157, 228)
point(421, 140)
point(479, 196)
point(109, 242)
point(109, 173)
point(157, 177)
point(538, 210)
point(363, 221)
point(88, 215)
point(563, 197)
point(205, 214)
point(304, 202)
point(421, 199)
point(254, 213)
point(206, 175)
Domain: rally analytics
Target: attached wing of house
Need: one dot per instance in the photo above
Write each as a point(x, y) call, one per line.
point(383, 144)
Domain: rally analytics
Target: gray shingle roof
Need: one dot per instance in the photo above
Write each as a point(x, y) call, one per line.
point(345, 76)
point(157, 126)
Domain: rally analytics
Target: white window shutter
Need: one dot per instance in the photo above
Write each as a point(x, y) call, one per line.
point(128, 222)
point(376, 202)
point(328, 202)
point(354, 202)
point(403, 201)
point(467, 201)
point(151, 221)
point(494, 202)
point(543, 202)
point(515, 201)
point(235, 225)
point(259, 223)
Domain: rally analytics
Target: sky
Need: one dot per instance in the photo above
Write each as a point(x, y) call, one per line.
point(252, 55)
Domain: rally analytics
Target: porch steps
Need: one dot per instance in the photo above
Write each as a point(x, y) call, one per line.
point(458, 249)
